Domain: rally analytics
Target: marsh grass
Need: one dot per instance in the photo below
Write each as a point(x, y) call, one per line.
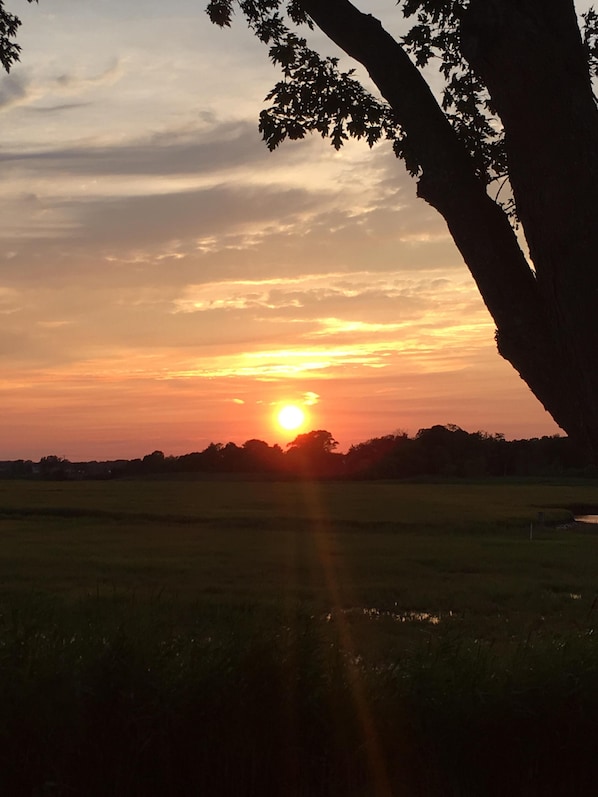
point(452, 505)
point(105, 697)
point(275, 640)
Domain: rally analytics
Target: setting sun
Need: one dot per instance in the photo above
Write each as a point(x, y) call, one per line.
point(291, 417)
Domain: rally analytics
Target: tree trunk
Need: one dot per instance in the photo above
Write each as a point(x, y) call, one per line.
point(530, 55)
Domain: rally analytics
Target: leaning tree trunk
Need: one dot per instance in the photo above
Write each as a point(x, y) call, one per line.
point(530, 54)
point(531, 57)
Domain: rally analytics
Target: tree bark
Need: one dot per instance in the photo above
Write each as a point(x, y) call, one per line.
point(543, 316)
point(530, 55)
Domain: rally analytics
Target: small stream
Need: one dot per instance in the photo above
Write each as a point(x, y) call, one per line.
point(584, 513)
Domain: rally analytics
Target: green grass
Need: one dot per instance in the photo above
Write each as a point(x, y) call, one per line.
point(360, 502)
point(254, 638)
point(459, 551)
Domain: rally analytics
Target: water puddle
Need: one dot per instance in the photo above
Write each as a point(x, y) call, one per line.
point(406, 616)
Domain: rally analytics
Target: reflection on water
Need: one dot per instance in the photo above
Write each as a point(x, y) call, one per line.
point(586, 519)
point(407, 616)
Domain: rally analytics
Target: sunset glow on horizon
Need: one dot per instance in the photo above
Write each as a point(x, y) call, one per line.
point(166, 282)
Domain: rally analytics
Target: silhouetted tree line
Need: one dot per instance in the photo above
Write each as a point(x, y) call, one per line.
point(311, 454)
point(437, 452)
point(451, 452)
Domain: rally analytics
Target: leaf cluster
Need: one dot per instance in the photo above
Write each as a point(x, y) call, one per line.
point(435, 36)
point(314, 96)
point(590, 39)
point(9, 49)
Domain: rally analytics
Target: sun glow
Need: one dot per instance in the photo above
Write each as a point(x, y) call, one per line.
point(291, 417)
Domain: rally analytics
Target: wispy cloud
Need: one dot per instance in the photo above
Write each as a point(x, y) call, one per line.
point(201, 150)
point(14, 90)
point(310, 399)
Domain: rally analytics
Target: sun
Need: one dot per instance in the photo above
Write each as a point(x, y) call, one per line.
point(291, 417)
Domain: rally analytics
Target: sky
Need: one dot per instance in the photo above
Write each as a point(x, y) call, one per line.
point(166, 282)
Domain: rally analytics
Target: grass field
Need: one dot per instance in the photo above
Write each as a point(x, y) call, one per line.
point(240, 637)
point(459, 552)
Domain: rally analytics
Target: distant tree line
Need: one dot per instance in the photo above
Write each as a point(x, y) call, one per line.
point(450, 452)
point(436, 452)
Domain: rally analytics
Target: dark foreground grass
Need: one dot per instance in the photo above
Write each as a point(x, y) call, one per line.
point(264, 640)
point(105, 698)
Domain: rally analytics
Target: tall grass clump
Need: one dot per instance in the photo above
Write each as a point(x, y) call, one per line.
point(522, 723)
point(111, 697)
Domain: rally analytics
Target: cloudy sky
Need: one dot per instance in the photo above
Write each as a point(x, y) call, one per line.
point(166, 282)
